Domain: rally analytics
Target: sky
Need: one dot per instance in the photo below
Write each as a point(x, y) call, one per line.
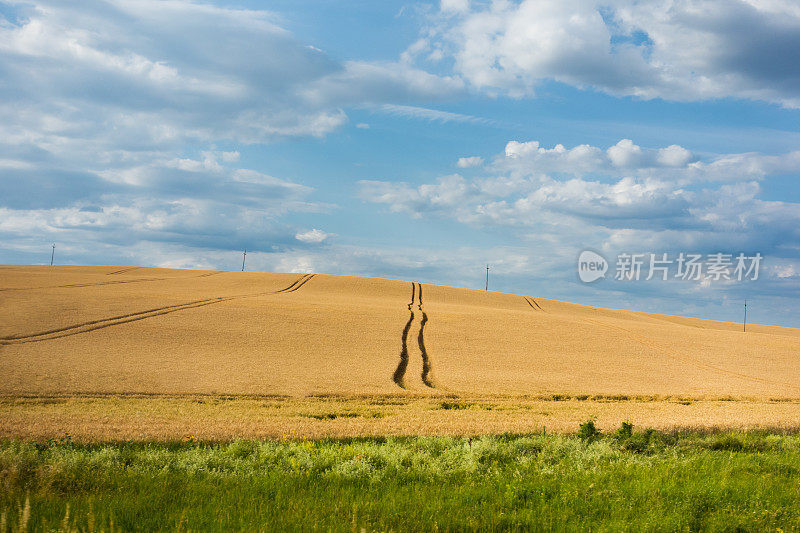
point(416, 141)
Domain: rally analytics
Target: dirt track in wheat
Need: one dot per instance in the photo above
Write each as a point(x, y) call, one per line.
point(128, 334)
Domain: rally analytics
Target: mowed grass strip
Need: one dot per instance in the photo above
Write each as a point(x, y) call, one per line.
point(620, 481)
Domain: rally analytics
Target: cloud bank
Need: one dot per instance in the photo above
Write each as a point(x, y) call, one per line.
point(675, 50)
point(112, 112)
point(623, 198)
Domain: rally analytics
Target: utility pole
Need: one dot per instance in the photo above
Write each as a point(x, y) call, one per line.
point(744, 324)
point(487, 277)
point(53, 254)
point(243, 258)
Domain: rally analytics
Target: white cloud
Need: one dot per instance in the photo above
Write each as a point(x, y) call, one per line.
point(445, 195)
point(204, 202)
point(314, 236)
point(660, 49)
point(362, 83)
point(626, 197)
point(625, 154)
point(674, 156)
point(455, 5)
point(15, 164)
point(467, 162)
point(534, 158)
point(673, 163)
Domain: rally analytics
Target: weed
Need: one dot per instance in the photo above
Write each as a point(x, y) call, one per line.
point(455, 405)
point(332, 416)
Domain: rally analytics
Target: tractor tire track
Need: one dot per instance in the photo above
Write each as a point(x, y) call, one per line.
point(533, 303)
point(121, 271)
point(294, 284)
point(209, 274)
point(299, 283)
point(105, 323)
point(92, 325)
point(400, 372)
point(101, 320)
point(690, 361)
point(427, 377)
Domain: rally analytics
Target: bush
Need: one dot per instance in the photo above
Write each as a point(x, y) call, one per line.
point(588, 431)
point(634, 442)
point(625, 431)
point(639, 442)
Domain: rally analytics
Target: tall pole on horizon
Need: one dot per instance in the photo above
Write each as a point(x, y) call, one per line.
point(53, 254)
point(244, 257)
point(744, 324)
point(487, 277)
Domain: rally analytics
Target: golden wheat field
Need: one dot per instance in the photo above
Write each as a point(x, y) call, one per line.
point(157, 353)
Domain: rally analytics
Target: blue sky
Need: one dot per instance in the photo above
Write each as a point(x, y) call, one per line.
point(410, 140)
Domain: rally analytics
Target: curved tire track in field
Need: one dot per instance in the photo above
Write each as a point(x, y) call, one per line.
point(691, 361)
point(92, 325)
point(122, 270)
point(209, 274)
point(427, 378)
point(533, 303)
point(305, 278)
point(400, 372)
point(105, 323)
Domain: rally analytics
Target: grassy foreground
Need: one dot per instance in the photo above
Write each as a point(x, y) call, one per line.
point(742, 481)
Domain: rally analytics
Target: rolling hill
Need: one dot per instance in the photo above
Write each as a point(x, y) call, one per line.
point(106, 330)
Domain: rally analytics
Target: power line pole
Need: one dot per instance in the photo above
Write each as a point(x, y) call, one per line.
point(487, 277)
point(53, 254)
point(243, 258)
point(744, 323)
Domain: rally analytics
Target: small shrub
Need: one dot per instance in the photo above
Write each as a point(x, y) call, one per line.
point(588, 431)
point(634, 442)
point(625, 431)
